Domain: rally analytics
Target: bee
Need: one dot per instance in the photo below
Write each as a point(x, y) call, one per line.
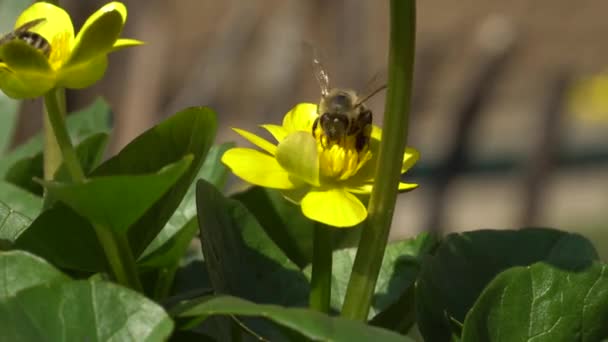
point(342, 112)
point(33, 39)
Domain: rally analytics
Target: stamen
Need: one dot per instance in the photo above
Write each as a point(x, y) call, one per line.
point(341, 160)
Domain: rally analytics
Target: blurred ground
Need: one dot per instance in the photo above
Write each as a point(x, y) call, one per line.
point(245, 59)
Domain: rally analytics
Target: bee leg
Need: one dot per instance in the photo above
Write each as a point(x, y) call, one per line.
point(364, 124)
point(314, 127)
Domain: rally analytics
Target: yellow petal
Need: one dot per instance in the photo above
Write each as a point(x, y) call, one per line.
point(298, 154)
point(24, 85)
point(99, 33)
point(278, 132)
point(334, 207)
point(410, 157)
point(125, 43)
point(366, 189)
point(257, 141)
point(83, 75)
point(296, 195)
point(57, 22)
point(300, 118)
point(404, 187)
point(257, 168)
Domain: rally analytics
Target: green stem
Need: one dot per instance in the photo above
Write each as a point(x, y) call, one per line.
point(320, 282)
point(374, 236)
point(54, 102)
point(119, 257)
point(164, 282)
point(116, 247)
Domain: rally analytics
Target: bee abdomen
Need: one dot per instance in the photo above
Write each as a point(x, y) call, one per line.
point(36, 41)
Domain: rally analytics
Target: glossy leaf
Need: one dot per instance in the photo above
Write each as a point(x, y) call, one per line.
point(172, 250)
point(189, 132)
point(116, 202)
point(9, 109)
point(89, 151)
point(93, 119)
point(400, 267)
point(241, 259)
point(465, 263)
point(284, 222)
point(310, 324)
point(82, 311)
point(212, 171)
point(65, 239)
point(21, 270)
point(20, 200)
point(12, 223)
point(542, 303)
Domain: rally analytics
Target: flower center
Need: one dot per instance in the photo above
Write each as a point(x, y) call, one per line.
point(341, 160)
point(60, 50)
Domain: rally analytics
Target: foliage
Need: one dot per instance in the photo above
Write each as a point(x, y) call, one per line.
point(146, 245)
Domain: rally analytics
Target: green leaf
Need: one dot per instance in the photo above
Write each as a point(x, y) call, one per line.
point(213, 171)
point(310, 324)
point(284, 222)
point(169, 254)
point(241, 259)
point(542, 303)
point(21, 270)
point(93, 119)
point(464, 264)
point(65, 239)
point(57, 233)
point(82, 311)
point(89, 151)
point(399, 270)
point(20, 200)
point(189, 132)
point(12, 223)
point(9, 110)
point(116, 202)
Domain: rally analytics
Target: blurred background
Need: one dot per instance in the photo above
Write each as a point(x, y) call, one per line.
point(506, 111)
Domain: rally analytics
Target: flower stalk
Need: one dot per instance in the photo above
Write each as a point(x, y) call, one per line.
point(381, 206)
point(320, 281)
point(58, 139)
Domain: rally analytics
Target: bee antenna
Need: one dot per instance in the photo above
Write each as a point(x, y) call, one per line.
point(381, 88)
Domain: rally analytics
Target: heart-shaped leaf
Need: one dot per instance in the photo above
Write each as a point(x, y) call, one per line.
point(399, 270)
point(310, 324)
point(189, 132)
point(542, 303)
point(241, 259)
point(89, 152)
point(116, 202)
point(21, 270)
point(65, 239)
point(452, 279)
point(93, 119)
point(20, 200)
point(82, 311)
point(284, 222)
point(213, 171)
point(12, 223)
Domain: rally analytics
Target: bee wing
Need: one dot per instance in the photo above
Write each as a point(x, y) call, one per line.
point(29, 25)
point(23, 28)
point(320, 72)
point(375, 85)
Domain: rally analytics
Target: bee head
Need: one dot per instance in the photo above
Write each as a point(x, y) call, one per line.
point(334, 125)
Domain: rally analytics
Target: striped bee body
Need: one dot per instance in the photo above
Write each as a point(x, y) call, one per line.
point(33, 39)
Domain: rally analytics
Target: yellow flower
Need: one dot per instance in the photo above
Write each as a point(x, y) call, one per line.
point(72, 62)
point(588, 98)
point(322, 178)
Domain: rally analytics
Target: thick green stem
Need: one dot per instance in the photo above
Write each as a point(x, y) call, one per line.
point(119, 257)
point(54, 102)
point(374, 236)
point(116, 247)
point(320, 282)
